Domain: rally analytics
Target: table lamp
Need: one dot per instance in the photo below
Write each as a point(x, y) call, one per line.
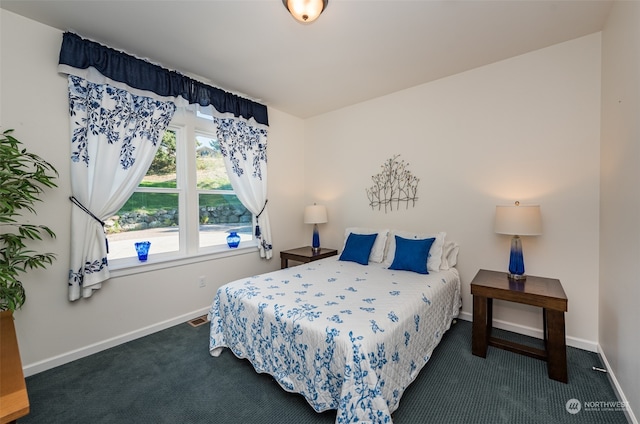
point(517, 220)
point(315, 214)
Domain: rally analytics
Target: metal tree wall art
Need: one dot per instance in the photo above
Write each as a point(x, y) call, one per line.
point(394, 185)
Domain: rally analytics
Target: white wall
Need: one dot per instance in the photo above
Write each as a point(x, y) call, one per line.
point(527, 128)
point(620, 207)
point(52, 330)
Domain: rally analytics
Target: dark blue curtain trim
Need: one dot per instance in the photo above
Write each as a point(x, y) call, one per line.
point(137, 73)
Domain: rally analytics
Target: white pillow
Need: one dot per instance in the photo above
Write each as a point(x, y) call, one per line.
point(377, 251)
point(449, 255)
point(434, 259)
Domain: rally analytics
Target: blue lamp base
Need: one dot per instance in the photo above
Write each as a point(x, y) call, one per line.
point(315, 242)
point(516, 260)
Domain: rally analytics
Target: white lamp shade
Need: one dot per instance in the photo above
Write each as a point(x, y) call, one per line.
point(518, 220)
point(305, 10)
point(315, 214)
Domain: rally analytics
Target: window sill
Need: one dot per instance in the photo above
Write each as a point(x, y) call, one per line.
point(130, 266)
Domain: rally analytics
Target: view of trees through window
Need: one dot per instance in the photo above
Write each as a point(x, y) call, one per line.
point(152, 213)
point(220, 210)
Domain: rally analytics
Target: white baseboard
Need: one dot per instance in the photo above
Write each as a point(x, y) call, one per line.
point(616, 386)
point(73, 355)
point(535, 332)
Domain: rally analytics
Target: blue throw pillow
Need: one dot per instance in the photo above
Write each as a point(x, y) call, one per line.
point(412, 254)
point(358, 248)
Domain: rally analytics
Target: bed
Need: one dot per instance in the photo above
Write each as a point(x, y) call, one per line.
point(349, 335)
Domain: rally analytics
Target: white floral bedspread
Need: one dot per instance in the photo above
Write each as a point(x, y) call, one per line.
point(345, 336)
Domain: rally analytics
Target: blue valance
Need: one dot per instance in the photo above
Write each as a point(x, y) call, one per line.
point(79, 53)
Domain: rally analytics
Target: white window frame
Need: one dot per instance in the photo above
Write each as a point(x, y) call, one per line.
point(187, 126)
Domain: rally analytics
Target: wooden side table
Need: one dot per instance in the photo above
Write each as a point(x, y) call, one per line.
point(304, 255)
point(546, 293)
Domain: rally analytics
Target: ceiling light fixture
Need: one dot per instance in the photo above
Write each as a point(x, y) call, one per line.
point(305, 11)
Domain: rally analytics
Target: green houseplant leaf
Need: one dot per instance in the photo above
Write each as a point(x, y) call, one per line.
point(24, 176)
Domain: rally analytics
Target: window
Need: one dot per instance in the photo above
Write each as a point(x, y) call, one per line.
point(185, 205)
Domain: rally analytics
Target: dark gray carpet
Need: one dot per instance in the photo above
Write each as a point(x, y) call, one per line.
point(169, 377)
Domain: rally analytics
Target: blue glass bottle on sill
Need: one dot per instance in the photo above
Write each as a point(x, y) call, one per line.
point(233, 239)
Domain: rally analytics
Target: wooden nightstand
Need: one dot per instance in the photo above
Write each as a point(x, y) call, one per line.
point(546, 293)
point(304, 255)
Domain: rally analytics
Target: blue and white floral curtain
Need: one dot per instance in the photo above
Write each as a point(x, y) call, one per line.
point(244, 148)
point(120, 106)
point(115, 136)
